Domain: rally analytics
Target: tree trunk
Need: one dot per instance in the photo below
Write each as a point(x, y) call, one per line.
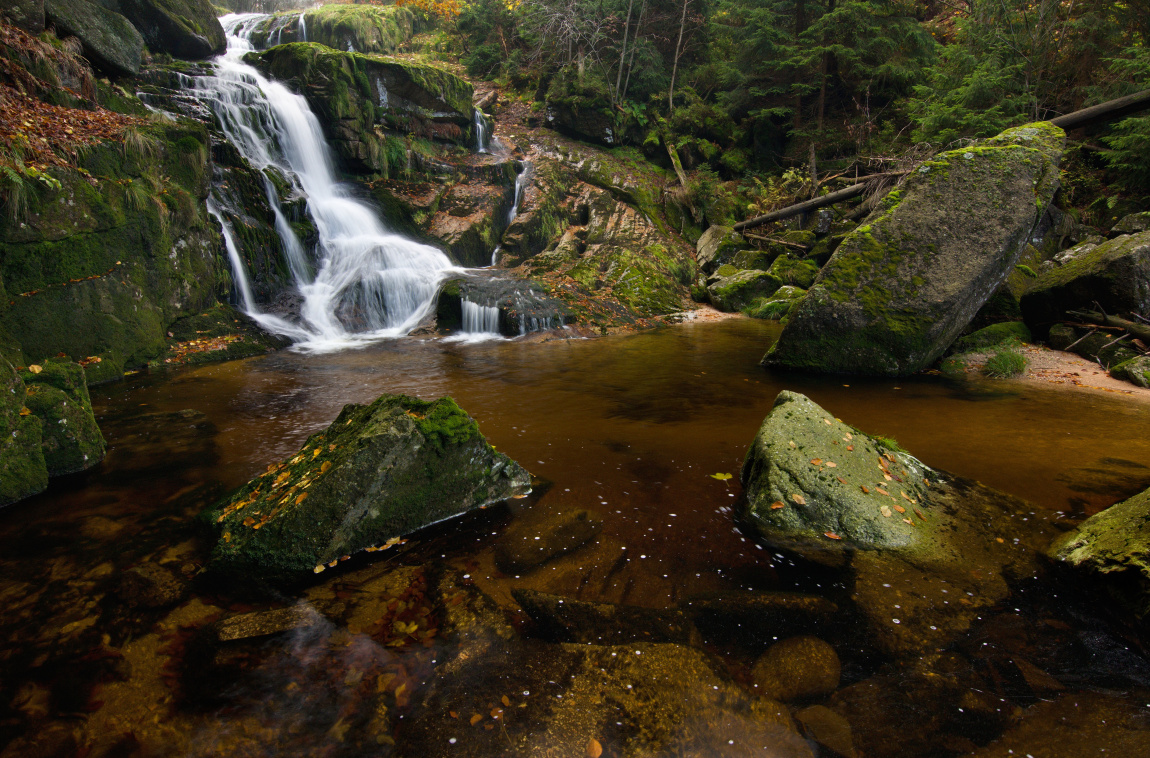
point(623, 54)
point(800, 27)
point(678, 52)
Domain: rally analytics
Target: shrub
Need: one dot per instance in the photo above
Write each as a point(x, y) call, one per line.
point(1005, 364)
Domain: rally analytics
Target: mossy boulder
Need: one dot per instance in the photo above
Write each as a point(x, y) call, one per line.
point(25, 14)
point(110, 41)
point(1114, 274)
point(57, 394)
point(990, 336)
point(356, 96)
point(22, 469)
point(100, 266)
point(777, 305)
point(378, 472)
point(1114, 545)
point(1135, 370)
point(1132, 224)
point(905, 283)
point(910, 535)
point(718, 245)
point(185, 29)
point(380, 29)
point(732, 290)
point(795, 271)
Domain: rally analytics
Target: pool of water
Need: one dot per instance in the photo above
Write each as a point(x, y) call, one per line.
point(630, 427)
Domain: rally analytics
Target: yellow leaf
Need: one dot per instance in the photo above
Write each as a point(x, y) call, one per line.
point(301, 498)
point(885, 511)
point(35, 369)
point(799, 499)
point(778, 504)
point(832, 464)
point(25, 411)
point(816, 461)
point(323, 467)
point(721, 477)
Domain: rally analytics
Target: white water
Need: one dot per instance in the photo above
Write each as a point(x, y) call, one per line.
point(370, 283)
point(520, 185)
point(302, 28)
point(480, 133)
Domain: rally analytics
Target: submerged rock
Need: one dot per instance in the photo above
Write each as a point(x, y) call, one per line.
point(911, 535)
point(797, 668)
point(904, 284)
point(1114, 275)
point(110, 41)
point(566, 619)
point(58, 395)
point(379, 471)
point(1114, 546)
point(150, 585)
point(532, 540)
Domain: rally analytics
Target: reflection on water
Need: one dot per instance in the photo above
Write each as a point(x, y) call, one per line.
point(630, 428)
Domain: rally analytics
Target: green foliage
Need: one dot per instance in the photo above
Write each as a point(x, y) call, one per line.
point(766, 308)
point(968, 95)
point(1004, 364)
point(484, 61)
point(889, 443)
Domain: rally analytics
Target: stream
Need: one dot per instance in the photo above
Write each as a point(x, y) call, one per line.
point(630, 427)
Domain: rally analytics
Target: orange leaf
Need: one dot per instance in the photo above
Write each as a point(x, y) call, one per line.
point(301, 498)
point(778, 504)
point(864, 489)
point(899, 508)
point(799, 499)
point(832, 464)
point(475, 719)
point(505, 701)
point(904, 495)
point(816, 461)
point(918, 513)
point(832, 535)
point(844, 481)
point(881, 491)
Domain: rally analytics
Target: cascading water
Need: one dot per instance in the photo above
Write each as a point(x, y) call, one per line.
point(520, 186)
point(480, 319)
point(370, 283)
point(302, 28)
point(480, 132)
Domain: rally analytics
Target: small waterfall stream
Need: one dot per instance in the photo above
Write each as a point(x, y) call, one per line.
point(369, 283)
point(520, 186)
point(481, 142)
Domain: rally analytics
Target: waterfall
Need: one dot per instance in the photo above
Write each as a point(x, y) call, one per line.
point(520, 186)
point(480, 319)
point(480, 132)
point(369, 283)
point(302, 28)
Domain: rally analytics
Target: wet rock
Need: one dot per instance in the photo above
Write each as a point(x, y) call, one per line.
point(50, 740)
point(797, 668)
point(881, 305)
point(1136, 371)
point(58, 396)
point(150, 585)
point(911, 535)
point(533, 539)
point(110, 41)
point(566, 619)
point(362, 28)
point(760, 616)
point(827, 728)
point(183, 28)
point(23, 471)
point(1085, 723)
point(522, 304)
point(777, 305)
point(718, 245)
point(1113, 546)
point(730, 290)
point(246, 626)
point(379, 471)
point(796, 272)
point(1114, 275)
point(1135, 223)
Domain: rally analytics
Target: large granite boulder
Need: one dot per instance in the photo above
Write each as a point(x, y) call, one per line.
point(57, 393)
point(905, 283)
point(716, 246)
point(25, 14)
point(1113, 545)
point(110, 42)
point(355, 28)
point(910, 535)
point(379, 471)
point(183, 28)
point(22, 469)
point(352, 94)
point(1114, 274)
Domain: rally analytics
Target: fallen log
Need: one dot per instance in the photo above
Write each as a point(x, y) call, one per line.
point(1140, 331)
point(809, 205)
point(1111, 109)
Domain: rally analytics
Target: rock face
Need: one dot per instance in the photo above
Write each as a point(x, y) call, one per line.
point(379, 471)
point(100, 269)
point(1114, 545)
point(26, 14)
point(353, 93)
point(58, 396)
point(377, 29)
point(110, 41)
point(22, 469)
point(909, 534)
point(182, 28)
point(904, 284)
point(1115, 274)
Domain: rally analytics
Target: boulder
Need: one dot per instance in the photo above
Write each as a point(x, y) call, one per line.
point(379, 471)
point(990, 336)
point(777, 305)
point(910, 535)
point(827, 728)
point(1115, 274)
point(1113, 545)
point(1135, 370)
point(110, 41)
point(22, 469)
point(533, 539)
point(731, 290)
point(522, 306)
point(58, 396)
point(1132, 224)
point(182, 28)
point(793, 271)
point(378, 29)
point(797, 668)
point(25, 14)
point(716, 246)
point(905, 283)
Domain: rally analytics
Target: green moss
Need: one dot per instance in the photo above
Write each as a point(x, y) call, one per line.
point(22, 469)
point(1004, 364)
point(995, 334)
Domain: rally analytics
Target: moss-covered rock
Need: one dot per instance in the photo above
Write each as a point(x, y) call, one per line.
point(777, 305)
point(25, 14)
point(379, 29)
point(718, 245)
point(110, 41)
point(101, 265)
point(1132, 224)
point(795, 271)
point(1135, 370)
point(58, 396)
point(1114, 545)
point(738, 289)
point(183, 28)
point(829, 493)
point(22, 469)
point(1114, 274)
point(904, 284)
point(990, 336)
point(379, 471)
point(357, 97)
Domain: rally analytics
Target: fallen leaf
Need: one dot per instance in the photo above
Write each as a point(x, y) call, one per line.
point(832, 464)
point(827, 421)
point(884, 510)
point(505, 700)
point(594, 749)
point(323, 467)
point(25, 411)
point(899, 508)
point(908, 521)
point(816, 461)
point(301, 498)
point(35, 369)
point(475, 719)
point(844, 481)
point(721, 477)
point(918, 513)
point(881, 491)
point(888, 477)
point(904, 495)
point(999, 540)
point(799, 499)
point(778, 504)
point(453, 714)
point(832, 535)
point(849, 437)
point(864, 489)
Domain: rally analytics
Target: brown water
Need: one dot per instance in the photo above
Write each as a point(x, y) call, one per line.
point(632, 427)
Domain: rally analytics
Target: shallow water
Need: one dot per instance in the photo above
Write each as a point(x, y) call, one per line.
point(632, 427)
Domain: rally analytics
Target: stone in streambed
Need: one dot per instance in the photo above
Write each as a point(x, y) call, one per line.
point(905, 283)
point(379, 471)
point(828, 728)
point(1135, 370)
point(797, 668)
point(566, 619)
point(22, 469)
point(928, 551)
point(533, 540)
point(58, 396)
